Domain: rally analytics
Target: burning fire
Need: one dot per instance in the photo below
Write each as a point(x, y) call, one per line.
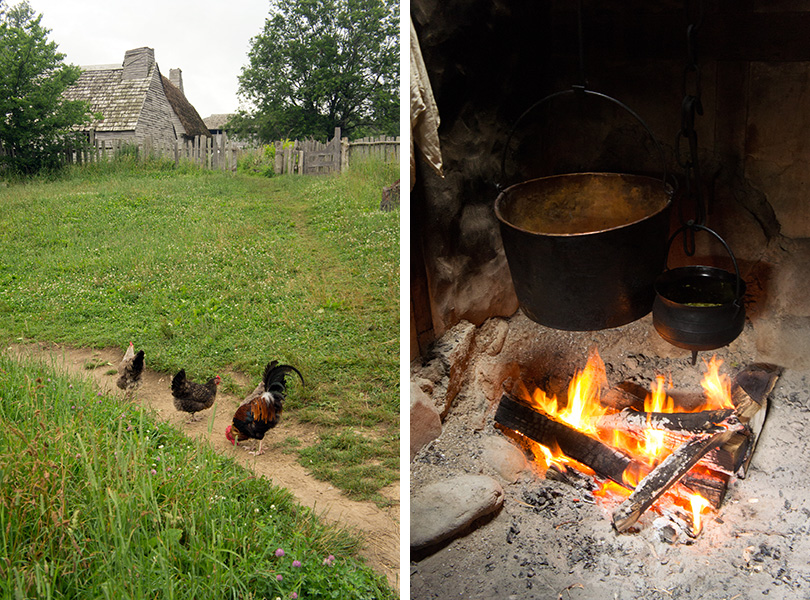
point(584, 408)
point(698, 503)
point(716, 386)
point(584, 393)
point(657, 401)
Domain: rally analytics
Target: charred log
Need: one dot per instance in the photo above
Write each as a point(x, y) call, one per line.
point(685, 424)
point(606, 461)
point(666, 474)
point(712, 485)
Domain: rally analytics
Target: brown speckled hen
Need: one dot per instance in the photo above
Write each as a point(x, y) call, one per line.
point(261, 409)
point(193, 397)
point(130, 370)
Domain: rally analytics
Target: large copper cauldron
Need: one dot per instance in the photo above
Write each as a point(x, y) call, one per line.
point(585, 249)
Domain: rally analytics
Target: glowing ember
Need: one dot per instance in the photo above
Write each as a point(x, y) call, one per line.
point(610, 487)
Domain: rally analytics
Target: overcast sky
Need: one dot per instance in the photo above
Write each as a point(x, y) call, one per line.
point(207, 39)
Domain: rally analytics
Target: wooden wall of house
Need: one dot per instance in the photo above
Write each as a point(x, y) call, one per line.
point(157, 117)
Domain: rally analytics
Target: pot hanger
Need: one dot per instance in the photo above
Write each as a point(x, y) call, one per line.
point(581, 89)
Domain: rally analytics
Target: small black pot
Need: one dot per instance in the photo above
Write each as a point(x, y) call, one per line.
point(698, 307)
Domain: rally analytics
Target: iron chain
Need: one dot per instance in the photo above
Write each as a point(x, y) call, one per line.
point(691, 106)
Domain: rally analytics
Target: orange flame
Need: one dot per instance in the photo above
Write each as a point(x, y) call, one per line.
point(584, 391)
point(716, 386)
point(698, 503)
point(657, 401)
point(552, 457)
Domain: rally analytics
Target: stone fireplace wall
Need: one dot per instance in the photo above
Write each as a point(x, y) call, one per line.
point(489, 61)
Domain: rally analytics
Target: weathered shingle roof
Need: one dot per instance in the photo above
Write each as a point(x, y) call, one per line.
point(120, 102)
point(188, 115)
point(217, 121)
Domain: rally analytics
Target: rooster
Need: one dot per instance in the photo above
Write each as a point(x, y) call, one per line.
point(193, 397)
point(261, 409)
point(130, 370)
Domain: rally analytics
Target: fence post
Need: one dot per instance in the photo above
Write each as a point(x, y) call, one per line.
point(278, 166)
point(344, 155)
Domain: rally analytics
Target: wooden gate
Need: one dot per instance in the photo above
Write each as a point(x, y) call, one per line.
point(309, 157)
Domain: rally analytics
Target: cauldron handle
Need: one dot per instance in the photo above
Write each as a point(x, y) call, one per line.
point(691, 225)
point(580, 90)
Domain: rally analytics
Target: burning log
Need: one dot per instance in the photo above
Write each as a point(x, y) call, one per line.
point(666, 474)
point(711, 485)
point(683, 424)
point(749, 394)
point(603, 459)
point(678, 428)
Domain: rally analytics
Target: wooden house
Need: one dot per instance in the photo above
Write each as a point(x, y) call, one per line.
point(216, 124)
point(135, 102)
point(216, 127)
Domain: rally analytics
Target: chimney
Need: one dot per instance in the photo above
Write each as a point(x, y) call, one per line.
point(176, 77)
point(137, 63)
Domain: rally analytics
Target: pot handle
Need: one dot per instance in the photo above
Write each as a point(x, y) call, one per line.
point(691, 225)
point(578, 89)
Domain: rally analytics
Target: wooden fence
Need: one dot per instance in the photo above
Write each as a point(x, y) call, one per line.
point(306, 157)
point(202, 151)
point(311, 157)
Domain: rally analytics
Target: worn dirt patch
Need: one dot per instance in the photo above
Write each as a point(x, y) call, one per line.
point(379, 528)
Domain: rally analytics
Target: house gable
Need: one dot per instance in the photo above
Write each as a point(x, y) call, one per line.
point(186, 118)
point(134, 102)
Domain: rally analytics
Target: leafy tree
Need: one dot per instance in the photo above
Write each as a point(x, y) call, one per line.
point(35, 121)
point(321, 64)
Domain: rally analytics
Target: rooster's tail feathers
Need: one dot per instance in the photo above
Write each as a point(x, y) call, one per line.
point(137, 363)
point(275, 376)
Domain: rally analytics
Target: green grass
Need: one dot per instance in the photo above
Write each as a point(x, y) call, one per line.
point(100, 500)
point(218, 273)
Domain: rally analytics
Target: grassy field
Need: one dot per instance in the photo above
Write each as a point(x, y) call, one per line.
point(98, 500)
point(218, 273)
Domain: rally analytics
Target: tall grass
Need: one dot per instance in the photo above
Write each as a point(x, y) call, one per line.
point(218, 273)
point(99, 500)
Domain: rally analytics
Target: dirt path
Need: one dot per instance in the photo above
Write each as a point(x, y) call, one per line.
point(379, 528)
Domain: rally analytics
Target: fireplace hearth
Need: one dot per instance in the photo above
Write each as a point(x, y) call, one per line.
point(551, 537)
point(682, 452)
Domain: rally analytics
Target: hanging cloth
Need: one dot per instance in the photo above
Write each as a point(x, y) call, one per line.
point(424, 113)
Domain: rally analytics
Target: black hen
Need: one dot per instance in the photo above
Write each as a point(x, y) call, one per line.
point(261, 409)
point(193, 397)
